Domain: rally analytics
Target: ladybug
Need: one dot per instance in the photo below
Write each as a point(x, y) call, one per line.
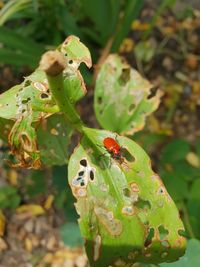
point(113, 148)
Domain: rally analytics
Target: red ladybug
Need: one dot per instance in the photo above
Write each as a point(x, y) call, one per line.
point(113, 148)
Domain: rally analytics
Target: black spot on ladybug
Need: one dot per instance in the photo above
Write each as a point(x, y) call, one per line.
point(81, 173)
point(83, 162)
point(91, 175)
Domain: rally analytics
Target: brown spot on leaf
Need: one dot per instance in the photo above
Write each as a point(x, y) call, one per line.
point(134, 187)
point(53, 131)
point(112, 225)
point(128, 210)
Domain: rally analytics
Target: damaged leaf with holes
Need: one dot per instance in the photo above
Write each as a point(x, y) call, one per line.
point(23, 141)
point(126, 214)
point(54, 140)
point(122, 98)
point(31, 102)
point(34, 90)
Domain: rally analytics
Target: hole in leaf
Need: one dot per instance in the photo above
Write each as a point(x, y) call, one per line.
point(160, 190)
point(27, 83)
point(82, 183)
point(143, 218)
point(127, 155)
point(70, 61)
point(23, 110)
point(163, 232)
point(81, 173)
point(91, 175)
point(153, 92)
point(183, 233)
point(149, 237)
point(126, 192)
point(24, 101)
point(125, 76)
point(165, 243)
point(44, 95)
point(83, 162)
point(143, 204)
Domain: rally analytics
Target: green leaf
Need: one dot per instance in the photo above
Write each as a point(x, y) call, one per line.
point(120, 202)
point(11, 39)
point(31, 94)
point(193, 206)
point(68, 22)
point(194, 190)
point(12, 7)
point(8, 56)
point(76, 52)
point(9, 197)
point(175, 151)
point(106, 9)
point(177, 187)
point(121, 95)
point(31, 103)
point(191, 257)
point(35, 183)
point(198, 148)
point(185, 171)
point(131, 12)
point(70, 234)
point(64, 199)
point(54, 137)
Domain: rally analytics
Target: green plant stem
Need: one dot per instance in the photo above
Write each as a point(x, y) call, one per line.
point(57, 89)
